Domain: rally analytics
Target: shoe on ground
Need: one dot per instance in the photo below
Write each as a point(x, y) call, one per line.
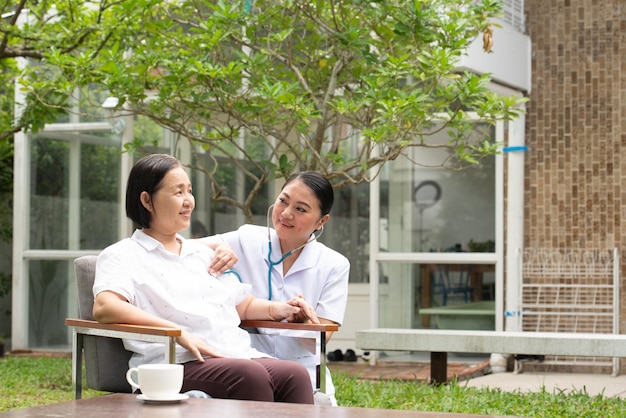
point(336, 355)
point(350, 355)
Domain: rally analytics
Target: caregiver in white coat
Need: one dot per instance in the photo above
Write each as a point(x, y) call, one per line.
point(287, 261)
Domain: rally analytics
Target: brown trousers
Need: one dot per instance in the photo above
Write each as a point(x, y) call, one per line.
point(259, 379)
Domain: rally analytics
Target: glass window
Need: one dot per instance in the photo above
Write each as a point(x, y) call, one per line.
point(347, 230)
point(99, 195)
point(398, 295)
point(51, 299)
point(49, 199)
point(444, 296)
point(59, 182)
point(430, 202)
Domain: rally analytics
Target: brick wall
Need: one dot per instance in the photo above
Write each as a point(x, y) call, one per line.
point(576, 126)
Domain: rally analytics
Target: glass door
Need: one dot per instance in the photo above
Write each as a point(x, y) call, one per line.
point(436, 232)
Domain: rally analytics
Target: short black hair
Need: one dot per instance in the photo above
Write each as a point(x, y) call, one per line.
point(320, 185)
point(146, 176)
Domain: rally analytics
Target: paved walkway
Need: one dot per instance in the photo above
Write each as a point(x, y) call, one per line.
point(407, 370)
point(591, 384)
point(478, 374)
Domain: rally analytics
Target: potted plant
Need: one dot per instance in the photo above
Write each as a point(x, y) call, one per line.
point(488, 246)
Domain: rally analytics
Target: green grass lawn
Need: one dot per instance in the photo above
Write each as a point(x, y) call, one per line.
point(33, 381)
point(457, 398)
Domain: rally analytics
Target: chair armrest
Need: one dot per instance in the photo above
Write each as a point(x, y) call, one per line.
point(134, 329)
point(249, 323)
point(161, 335)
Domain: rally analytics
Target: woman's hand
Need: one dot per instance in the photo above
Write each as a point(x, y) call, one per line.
point(294, 310)
point(196, 346)
point(223, 260)
point(306, 312)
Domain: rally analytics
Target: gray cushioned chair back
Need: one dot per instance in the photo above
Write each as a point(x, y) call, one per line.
point(106, 359)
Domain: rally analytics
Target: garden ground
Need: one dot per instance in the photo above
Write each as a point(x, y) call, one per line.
point(477, 374)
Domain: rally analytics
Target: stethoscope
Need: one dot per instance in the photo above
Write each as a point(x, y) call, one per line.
point(285, 255)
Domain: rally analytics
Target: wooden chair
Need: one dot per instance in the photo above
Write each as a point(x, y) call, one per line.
point(106, 359)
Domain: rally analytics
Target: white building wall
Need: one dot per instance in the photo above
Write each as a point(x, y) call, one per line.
point(509, 61)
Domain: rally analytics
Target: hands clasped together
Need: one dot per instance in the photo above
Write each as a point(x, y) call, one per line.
point(294, 310)
point(306, 313)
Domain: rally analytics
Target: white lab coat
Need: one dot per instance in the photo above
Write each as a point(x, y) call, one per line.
point(320, 275)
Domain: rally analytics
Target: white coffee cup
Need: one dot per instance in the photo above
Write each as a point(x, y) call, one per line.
point(157, 381)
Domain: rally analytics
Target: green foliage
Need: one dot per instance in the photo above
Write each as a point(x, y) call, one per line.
point(291, 76)
point(8, 72)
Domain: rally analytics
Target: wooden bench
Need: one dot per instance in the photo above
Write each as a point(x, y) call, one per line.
point(440, 342)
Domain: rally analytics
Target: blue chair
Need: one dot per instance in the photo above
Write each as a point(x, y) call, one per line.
point(453, 281)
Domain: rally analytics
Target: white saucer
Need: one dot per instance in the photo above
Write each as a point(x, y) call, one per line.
point(176, 398)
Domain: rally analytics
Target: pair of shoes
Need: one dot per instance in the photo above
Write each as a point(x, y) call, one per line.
point(337, 355)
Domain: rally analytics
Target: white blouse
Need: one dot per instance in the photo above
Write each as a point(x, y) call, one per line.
point(177, 288)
